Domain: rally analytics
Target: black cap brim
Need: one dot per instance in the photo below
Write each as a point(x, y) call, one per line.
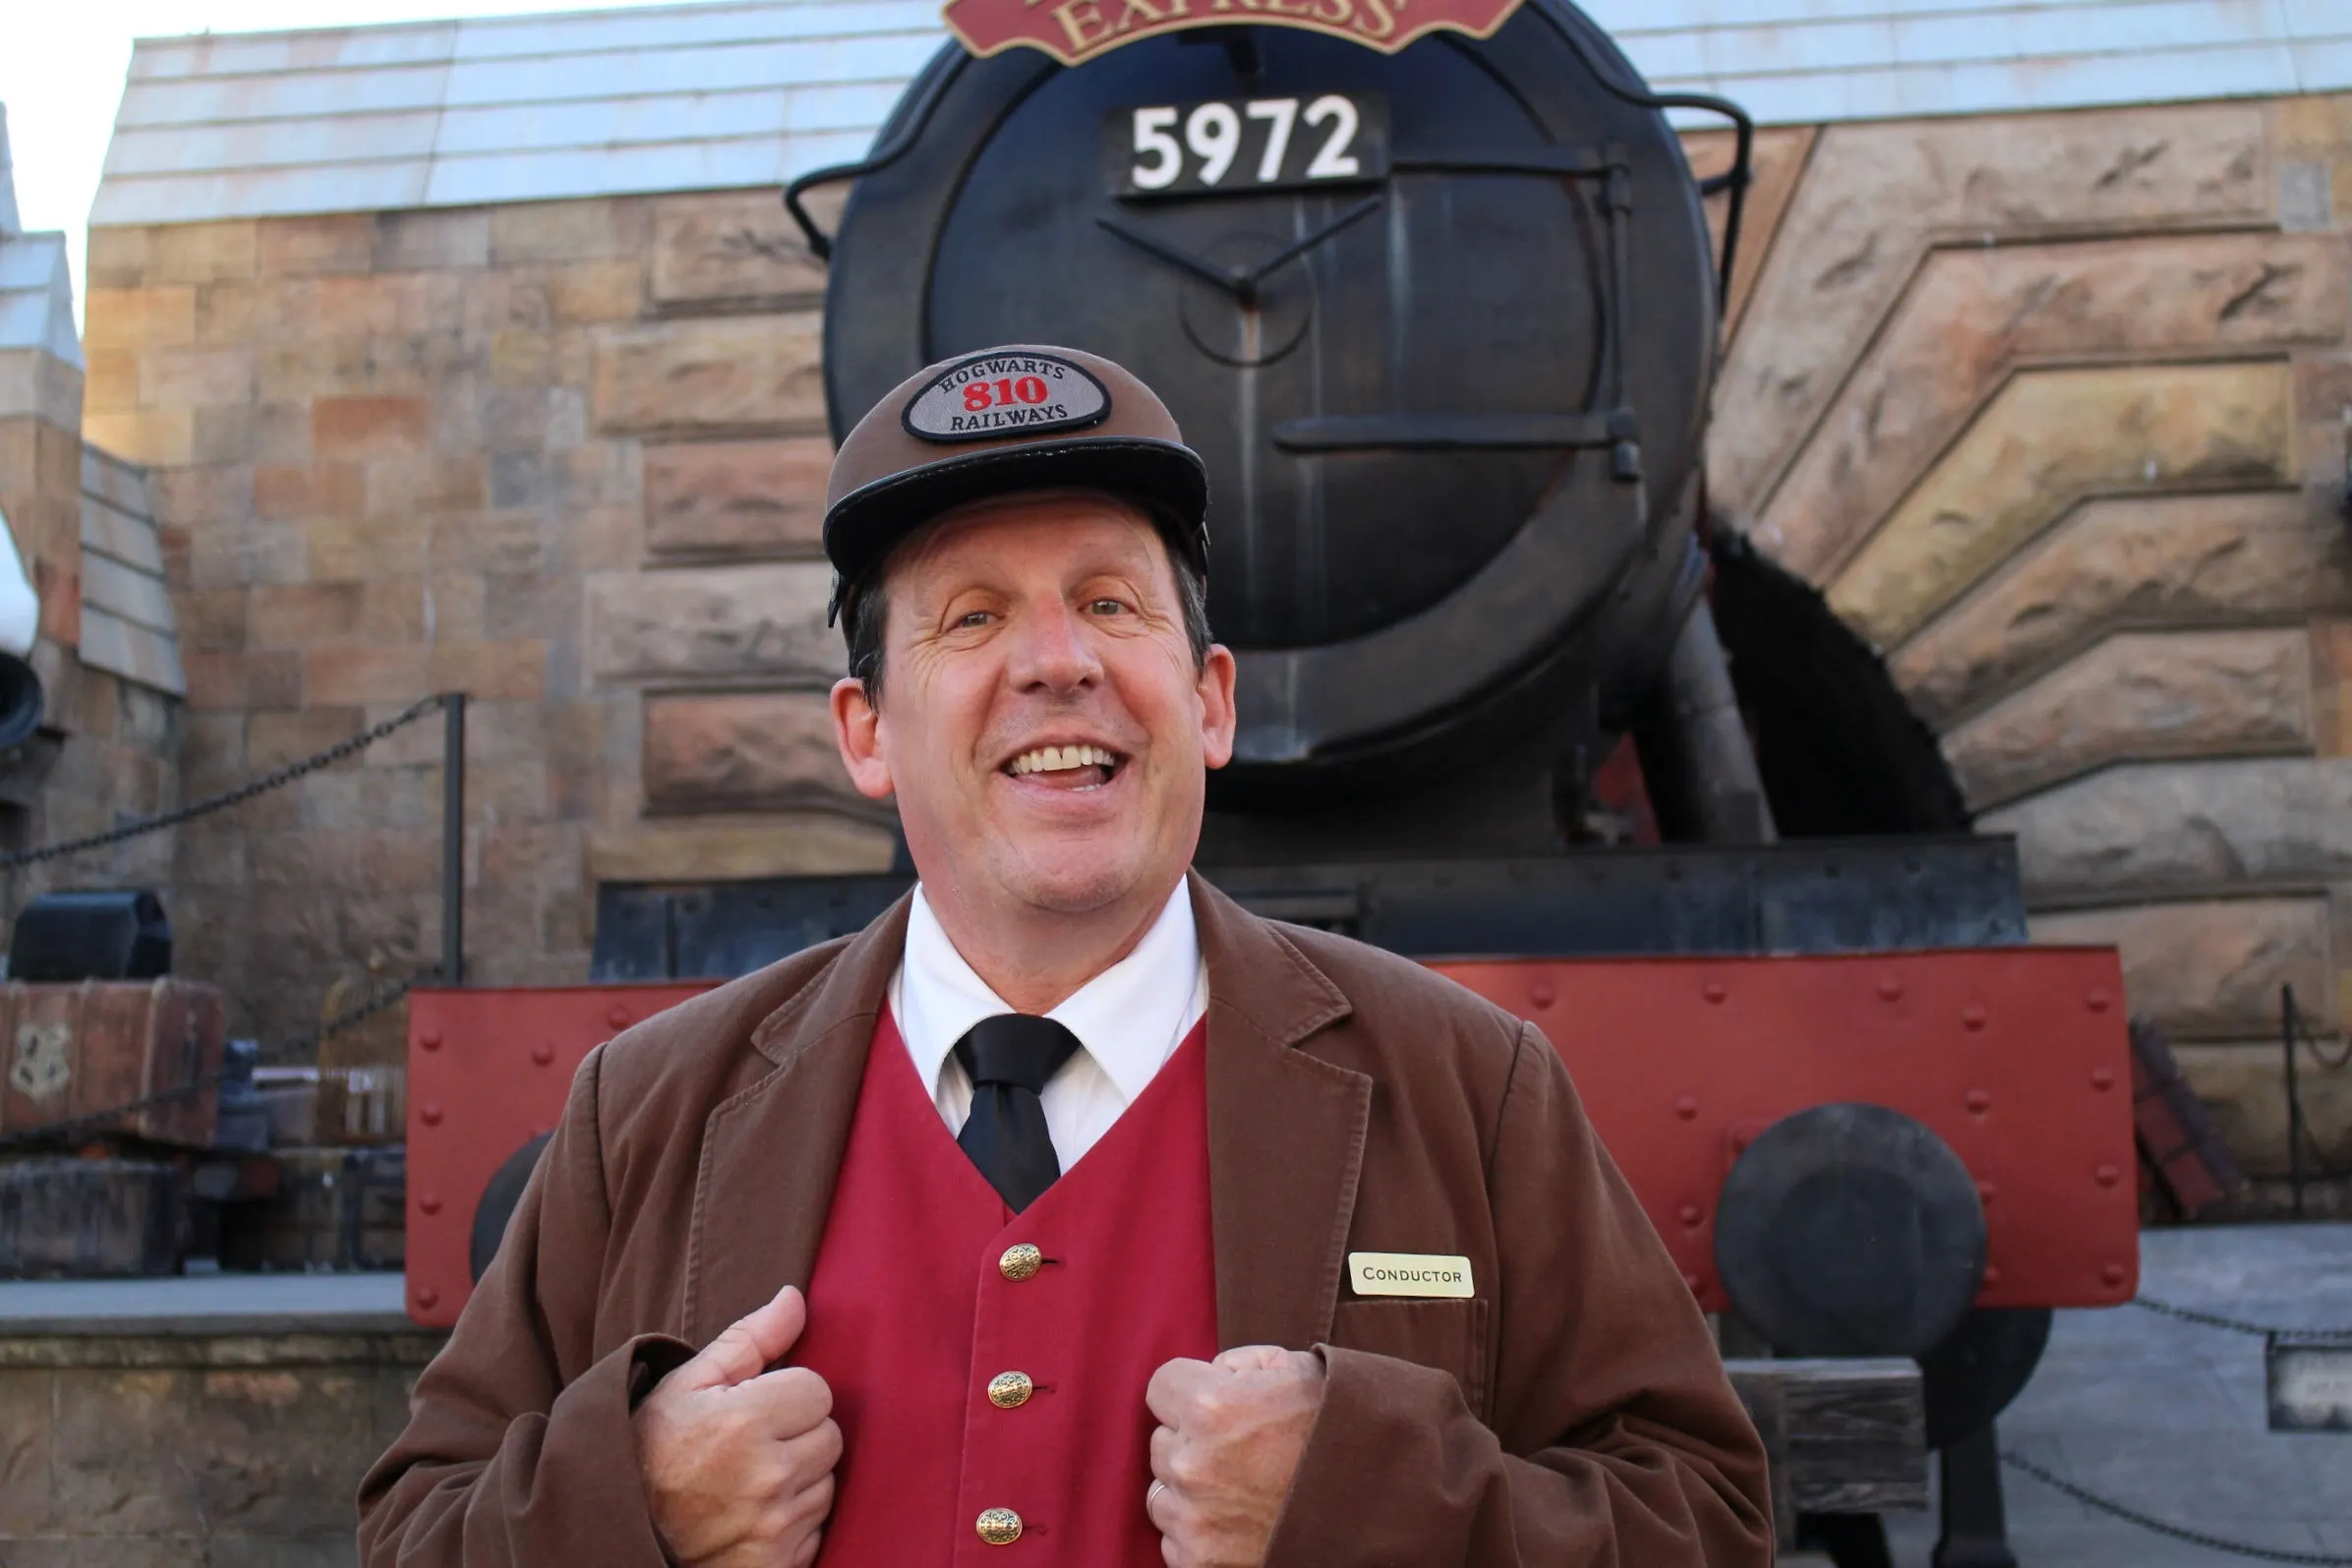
point(1166, 478)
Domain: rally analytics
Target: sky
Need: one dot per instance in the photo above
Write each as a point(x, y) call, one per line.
point(62, 64)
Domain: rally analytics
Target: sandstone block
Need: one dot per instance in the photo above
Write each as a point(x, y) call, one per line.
point(2166, 827)
point(202, 253)
point(514, 669)
point(2211, 969)
point(1970, 315)
point(238, 554)
point(490, 542)
point(160, 438)
point(585, 292)
point(567, 231)
point(139, 317)
point(111, 380)
point(2140, 696)
point(211, 620)
point(772, 844)
point(737, 497)
point(368, 426)
point(742, 751)
point(116, 258)
point(428, 238)
point(736, 247)
point(28, 1399)
point(750, 622)
point(335, 242)
point(356, 674)
point(200, 496)
point(2050, 439)
point(341, 550)
point(747, 373)
point(265, 679)
point(2137, 561)
point(299, 615)
point(274, 739)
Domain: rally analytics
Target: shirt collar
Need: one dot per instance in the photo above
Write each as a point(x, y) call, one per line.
point(1130, 1018)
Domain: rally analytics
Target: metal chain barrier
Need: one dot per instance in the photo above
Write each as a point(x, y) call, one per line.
point(2133, 1516)
point(376, 1001)
point(2239, 1325)
point(268, 781)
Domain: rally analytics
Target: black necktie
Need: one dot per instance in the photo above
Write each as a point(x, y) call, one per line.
point(1010, 1057)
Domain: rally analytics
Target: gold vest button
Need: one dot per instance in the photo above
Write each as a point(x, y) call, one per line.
point(1020, 1261)
point(1010, 1390)
point(998, 1526)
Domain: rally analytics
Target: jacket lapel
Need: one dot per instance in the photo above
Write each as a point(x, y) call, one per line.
point(1286, 1132)
point(774, 1148)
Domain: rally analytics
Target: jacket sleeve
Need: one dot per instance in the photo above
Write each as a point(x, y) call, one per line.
point(1615, 1436)
point(518, 1447)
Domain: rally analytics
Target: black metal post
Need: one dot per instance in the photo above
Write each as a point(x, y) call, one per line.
point(1976, 1526)
point(2289, 1027)
point(453, 838)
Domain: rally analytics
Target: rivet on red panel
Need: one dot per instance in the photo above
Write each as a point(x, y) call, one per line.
point(1979, 1101)
point(1687, 1108)
point(2102, 1077)
point(1972, 1018)
point(1984, 1192)
point(1695, 1283)
point(1542, 994)
point(428, 1297)
point(2112, 1273)
point(542, 1052)
point(429, 1202)
point(1992, 1276)
point(1691, 1215)
point(2098, 1001)
point(429, 1113)
point(1890, 988)
point(1714, 991)
point(430, 1039)
point(2107, 1174)
point(619, 1017)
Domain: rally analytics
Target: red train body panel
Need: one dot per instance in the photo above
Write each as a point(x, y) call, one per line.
point(2017, 1057)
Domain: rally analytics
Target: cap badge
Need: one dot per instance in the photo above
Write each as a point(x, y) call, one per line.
point(1006, 394)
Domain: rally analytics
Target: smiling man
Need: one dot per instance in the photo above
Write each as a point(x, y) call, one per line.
point(1067, 1214)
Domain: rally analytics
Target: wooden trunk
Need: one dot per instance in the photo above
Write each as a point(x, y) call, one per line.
point(74, 1050)
point(335, 1208)
point(85, 1218)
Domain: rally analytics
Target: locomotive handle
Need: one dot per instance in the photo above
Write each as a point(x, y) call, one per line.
point(897, 139)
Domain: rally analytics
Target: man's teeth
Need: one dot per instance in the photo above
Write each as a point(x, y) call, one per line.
point(1054, 759)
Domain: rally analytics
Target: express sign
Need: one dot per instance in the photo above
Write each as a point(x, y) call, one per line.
point(1077, 30)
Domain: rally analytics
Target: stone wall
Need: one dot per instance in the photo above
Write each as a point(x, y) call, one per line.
point(141, 1451)
point(565, 457)
point(2054, 407)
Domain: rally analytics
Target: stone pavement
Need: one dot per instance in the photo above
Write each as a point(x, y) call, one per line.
point(2168, 1418)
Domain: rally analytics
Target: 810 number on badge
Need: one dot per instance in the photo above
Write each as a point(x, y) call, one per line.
point(1243, 144)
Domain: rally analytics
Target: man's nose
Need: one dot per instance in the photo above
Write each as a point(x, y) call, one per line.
point(1053, 650)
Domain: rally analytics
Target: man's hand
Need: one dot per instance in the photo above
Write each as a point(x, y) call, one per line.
point(737, 1462)
point(1230, 1435)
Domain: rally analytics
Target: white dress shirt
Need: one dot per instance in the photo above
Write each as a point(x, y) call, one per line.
point(1128, 1021)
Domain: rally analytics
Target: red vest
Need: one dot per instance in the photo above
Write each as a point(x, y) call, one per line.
point(915, 1312)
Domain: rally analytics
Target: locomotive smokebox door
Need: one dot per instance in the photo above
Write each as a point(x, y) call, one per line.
point(1441, 323)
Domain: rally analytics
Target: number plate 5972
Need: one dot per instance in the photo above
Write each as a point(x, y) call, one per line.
point(1235, 146)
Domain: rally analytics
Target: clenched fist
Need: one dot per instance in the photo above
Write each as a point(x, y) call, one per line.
point(1230, 1435)
point(738, 1462)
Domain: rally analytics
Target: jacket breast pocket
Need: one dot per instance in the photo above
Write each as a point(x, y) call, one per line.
point(1450, 1336)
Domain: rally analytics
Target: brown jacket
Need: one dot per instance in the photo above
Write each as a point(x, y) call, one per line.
point(1575, 1412)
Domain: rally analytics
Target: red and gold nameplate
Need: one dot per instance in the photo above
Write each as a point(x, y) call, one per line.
point(1074, 31)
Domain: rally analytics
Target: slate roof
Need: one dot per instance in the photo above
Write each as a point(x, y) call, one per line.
point(750, 93)
point(36, 288)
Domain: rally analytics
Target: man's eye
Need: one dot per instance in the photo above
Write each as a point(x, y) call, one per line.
point(974, 618)
point(1105, 607)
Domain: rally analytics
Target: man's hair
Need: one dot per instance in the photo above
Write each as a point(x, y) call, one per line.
point(868, 609)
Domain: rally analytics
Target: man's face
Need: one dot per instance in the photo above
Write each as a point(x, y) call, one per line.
point(1041, 720)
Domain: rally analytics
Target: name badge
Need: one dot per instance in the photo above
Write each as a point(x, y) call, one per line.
point(1410, 1274)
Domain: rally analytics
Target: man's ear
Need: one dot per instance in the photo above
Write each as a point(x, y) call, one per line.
point(857, 730)
point(1218, 719)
